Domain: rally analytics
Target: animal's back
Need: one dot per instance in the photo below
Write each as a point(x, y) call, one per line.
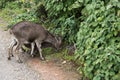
point(29, 31)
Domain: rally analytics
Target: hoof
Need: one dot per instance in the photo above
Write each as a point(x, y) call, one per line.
point(9, 58)
point(43, 59)
point(19, 61)
point(33, 56)
point(12, 55)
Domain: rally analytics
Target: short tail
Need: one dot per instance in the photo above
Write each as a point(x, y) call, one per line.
point(10, 31)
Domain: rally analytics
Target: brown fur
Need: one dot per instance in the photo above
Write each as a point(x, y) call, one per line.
point(27, 32)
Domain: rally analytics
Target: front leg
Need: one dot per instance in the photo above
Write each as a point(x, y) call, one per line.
point(38, 44)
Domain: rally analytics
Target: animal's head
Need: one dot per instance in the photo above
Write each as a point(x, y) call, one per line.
point(58, 42)
point(54, 40)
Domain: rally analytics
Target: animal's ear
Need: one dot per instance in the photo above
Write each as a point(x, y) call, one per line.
point(59, 38)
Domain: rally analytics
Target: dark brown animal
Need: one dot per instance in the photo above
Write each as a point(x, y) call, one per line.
point(43, 45)
point(30, 33)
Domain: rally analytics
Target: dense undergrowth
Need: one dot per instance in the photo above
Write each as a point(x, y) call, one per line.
point(93, 25)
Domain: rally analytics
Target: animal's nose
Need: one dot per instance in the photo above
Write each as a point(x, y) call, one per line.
point(60, 48)
point(56, 49)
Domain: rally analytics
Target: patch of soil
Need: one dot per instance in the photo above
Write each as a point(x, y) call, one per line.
point(54, 70)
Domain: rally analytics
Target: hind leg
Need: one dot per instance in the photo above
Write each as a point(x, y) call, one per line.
point(17, 52)
point(32, 49)
point(10, 48)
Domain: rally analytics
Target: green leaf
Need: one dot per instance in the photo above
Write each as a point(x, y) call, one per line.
point(96, 78)
point(80, 1)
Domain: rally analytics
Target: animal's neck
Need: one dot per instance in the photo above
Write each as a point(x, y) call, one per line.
point(51, 39)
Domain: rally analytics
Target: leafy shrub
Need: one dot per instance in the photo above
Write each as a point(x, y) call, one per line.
point(96, 24)
point(18, 11)
point(97, 41)
point(4, 2)
point(24, 17)
point(11, 10)
point(62, 14)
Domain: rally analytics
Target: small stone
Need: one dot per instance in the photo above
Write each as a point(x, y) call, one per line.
point(64, 62)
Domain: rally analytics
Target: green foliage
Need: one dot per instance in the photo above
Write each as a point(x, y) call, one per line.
point(62, 14)
point(11, 10)
point(27, 16)
point(3, 3)
point(19, 11)
point(97, 41)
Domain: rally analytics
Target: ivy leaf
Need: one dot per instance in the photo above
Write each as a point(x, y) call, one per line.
point(80, 1)
point(75, 5)
point(96, 78)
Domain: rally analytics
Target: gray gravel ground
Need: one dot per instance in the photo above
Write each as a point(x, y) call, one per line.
point(11, 70)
